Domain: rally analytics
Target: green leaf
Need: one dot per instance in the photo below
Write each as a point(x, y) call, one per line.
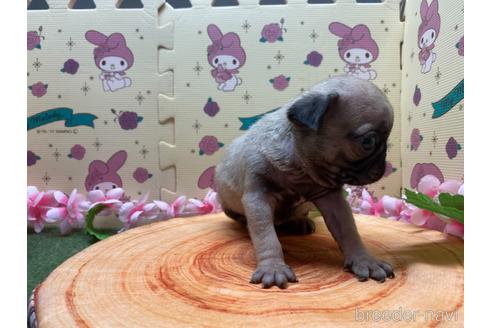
point(454, 201)
point(424, 202)
point(89, 219)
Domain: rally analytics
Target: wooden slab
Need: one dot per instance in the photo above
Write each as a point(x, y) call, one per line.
point(193, 272)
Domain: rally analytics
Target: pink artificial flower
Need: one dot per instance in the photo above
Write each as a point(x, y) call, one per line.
point(392, 207)
point(429, 185)
point(461, 191)
point(173, 210)
point(38, 204)
point(455, 228)
point(112, 200)
point(69, 214)
point(427, 219)
point(133, 212)
point(450, 186)
point(210, 204)
point(369, 205)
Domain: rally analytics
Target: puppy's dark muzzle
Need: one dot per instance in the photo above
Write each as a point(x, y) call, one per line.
point(368, 170)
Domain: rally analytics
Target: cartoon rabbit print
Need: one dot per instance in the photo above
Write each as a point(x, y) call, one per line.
point(427, 34)
point(357, 49)
point(103, 175)
point(225, 55)
point(113, 58)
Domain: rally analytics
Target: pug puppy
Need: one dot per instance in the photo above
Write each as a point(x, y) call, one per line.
point(300, 155)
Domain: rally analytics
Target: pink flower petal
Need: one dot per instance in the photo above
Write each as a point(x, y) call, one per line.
point(32, 191)
point(116, 193)
point(163, 206)
point(366, 208)
point(125, 210)
point(455, 228)
point(65, 227)
point(135, 216)
point(95, 196)
point(150, 207)
point(435, 223)
point(56, 214)
point(450, 186)
point(392, 206)
point(60, 197)
point(38, 226)
point(461, 191)
point(419, 217)
point(367, 196)
point(429, 185)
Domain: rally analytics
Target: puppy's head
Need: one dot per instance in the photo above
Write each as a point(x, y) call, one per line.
point(341, 127)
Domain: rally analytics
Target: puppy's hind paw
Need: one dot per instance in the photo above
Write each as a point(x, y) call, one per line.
point(269, 274)
point(364, 266)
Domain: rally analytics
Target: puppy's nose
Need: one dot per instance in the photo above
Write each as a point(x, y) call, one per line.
point(357, 59)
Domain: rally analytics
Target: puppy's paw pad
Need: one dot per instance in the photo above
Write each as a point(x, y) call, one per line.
point(365, 266)
point(278, 274)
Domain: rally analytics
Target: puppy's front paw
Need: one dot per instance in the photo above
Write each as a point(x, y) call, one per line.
point(271, 273)
point(364, 266)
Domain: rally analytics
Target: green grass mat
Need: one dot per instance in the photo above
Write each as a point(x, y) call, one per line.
point(48, 249)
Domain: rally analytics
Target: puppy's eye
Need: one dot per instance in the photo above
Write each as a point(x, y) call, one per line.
point(103, 63)
point(422, 40)
point(368, 143)
point(216, 60)
point(97, 188)
point(347, 55)
point(367, 55)
point(234, 61)
point(432, 35)
point(114, 186)
point(122, 63)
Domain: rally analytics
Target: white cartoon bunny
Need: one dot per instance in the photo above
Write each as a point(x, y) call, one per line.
point(226, 55)
point(113, 58)
point(357, 49)
point(428, 32)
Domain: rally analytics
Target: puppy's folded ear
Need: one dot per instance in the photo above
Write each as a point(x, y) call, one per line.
point(309, 110)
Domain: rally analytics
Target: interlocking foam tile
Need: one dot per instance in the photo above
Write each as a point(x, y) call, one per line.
point(280, 51)
point(159, 119)
point(433, 94)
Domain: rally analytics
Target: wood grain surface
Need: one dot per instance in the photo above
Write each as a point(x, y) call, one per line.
point(194, 272)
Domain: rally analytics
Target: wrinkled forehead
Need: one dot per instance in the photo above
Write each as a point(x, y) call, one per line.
point(369, 108)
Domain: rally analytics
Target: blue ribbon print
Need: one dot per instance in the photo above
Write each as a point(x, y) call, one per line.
point(450, 100)
point(249, 121)
point(60, 114)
